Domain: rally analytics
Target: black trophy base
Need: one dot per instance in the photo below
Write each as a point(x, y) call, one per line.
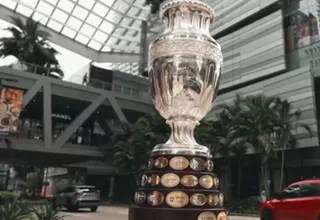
point(156, 213)
point(179, 187)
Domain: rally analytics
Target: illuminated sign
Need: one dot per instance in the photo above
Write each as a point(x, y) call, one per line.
point(61, 116)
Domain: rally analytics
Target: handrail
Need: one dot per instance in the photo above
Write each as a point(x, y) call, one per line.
point(126, 90)
point(34, 68)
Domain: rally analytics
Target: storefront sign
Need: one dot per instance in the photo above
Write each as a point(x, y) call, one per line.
point(61, 116)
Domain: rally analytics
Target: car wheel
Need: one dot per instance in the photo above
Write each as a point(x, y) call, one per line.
point(54, 205)
point(72, 208)
point(267, 215)
point(94, 209)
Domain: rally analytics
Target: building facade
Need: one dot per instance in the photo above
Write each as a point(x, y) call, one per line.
point(272, 47)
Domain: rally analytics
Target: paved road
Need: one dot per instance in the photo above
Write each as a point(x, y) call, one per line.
point(114, 213)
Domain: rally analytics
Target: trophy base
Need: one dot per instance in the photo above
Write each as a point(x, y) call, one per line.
point(143, 213)
point(179, 187)
point(180, 149)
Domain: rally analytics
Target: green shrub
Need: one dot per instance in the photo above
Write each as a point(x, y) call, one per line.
point(6, 195)
point(243, 206)
point(15, 210)
point(47, 212)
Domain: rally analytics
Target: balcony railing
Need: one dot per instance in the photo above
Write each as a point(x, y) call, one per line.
point(32, 68)
point(33, 129)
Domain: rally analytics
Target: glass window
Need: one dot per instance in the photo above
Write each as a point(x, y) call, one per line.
point(310, 190)
point(87, 189)
point(69, 189)
point(116, 88)
point(291, 192)
point(301, 24)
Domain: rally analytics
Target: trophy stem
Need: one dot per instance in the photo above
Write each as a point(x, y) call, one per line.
point(182, 132)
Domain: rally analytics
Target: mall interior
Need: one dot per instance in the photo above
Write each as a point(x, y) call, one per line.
point(270, 47)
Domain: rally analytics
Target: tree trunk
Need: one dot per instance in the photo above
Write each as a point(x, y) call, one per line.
point(282, 170)
point(239, 178)
point(264, 178)
point(227, 178)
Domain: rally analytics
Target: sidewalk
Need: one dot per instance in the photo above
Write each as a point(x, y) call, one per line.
point(124, 210)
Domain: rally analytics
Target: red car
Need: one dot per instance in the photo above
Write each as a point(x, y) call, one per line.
point(299, 201)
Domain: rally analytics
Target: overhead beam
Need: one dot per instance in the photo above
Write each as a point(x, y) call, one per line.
point(113, 102)
point(62, 139)
point(72, 45)
point(31, 93)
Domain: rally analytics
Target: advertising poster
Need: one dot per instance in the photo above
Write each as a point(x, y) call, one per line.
point(10, 107)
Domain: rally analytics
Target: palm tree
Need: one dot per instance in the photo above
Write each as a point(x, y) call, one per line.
point(255, 125)
point(224, 124)
point(220, 129)
point(288, 124)
point(29, 44)
point(132, 149)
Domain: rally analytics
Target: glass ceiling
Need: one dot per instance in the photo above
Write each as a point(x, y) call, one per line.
point(103, 25)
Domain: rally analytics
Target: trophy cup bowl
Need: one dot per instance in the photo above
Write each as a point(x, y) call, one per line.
point(184, 71)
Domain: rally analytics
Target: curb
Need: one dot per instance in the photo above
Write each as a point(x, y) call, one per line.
point(231, 214)
point(126, 207)
point(244, 215)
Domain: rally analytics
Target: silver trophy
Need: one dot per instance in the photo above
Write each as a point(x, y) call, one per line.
point(184, 69)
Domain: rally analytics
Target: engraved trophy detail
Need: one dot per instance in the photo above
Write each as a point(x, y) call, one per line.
point(184, 71)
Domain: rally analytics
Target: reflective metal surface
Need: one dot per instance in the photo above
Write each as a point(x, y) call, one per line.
point(184, 69)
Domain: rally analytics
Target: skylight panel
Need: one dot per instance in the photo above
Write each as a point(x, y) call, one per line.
point(106, 48)
point(123, 43)
point(55, 25)
point(113, 17)
point(100, 9)
point(45, 8)
point(24, 10)
point(87, 30)
point(69, 32)
point(108, 2)
point(80, 13)
point(93, 20)
point(74, 23)
point(106, 27)
point(8, 3)
point(54, 2)
point(86, 3)
point(82, 39)
point(60, 16)
point(95, 45)
point(133, 12)
point(31, 3)
point(131, 33)
point(112, 41)
point(121, 6)
point(66, 5)
point(136, 24)
point(100, 36)
point(119, 31)
point(39, 17)
point(126, 21)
